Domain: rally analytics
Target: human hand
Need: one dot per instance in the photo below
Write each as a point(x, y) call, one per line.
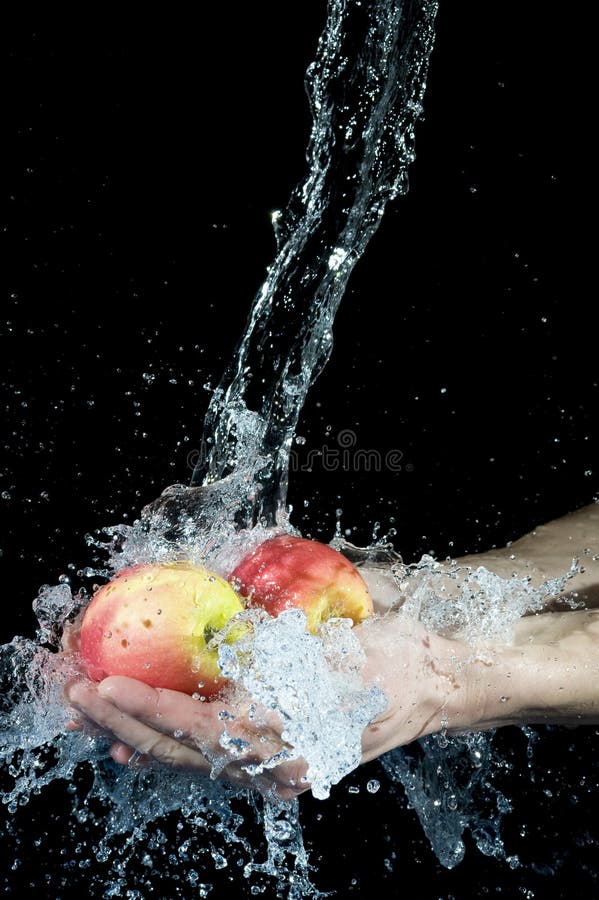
point(550, 674)
point(235, 738)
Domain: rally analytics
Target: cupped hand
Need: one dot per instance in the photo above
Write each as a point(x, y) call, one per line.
point(240, 740)
point(236, 739)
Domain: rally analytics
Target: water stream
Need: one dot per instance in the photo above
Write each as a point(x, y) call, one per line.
point(366, 88)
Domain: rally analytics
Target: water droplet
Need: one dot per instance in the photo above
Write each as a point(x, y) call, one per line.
point(282, 830)
point(336, 258)
point(373, 786)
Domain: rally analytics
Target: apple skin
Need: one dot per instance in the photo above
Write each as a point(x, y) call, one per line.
point(287, 571)
point(152, 623)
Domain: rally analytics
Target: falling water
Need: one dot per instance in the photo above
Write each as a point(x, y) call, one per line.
point(365, 90)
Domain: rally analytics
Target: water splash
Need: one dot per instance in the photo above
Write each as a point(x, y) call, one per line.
point(474, 604)
point(313, 683)
point(449, 783)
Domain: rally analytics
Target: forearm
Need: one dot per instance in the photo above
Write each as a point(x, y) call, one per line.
point(548, 675)
point(547, 552)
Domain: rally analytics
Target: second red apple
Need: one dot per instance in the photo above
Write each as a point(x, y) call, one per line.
point(288, 571)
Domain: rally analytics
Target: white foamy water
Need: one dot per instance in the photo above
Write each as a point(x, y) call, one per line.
point(313, 684)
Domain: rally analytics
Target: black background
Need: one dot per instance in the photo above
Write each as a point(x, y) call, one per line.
point(142, 162)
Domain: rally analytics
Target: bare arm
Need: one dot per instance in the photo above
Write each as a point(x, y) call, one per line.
point(547, 552)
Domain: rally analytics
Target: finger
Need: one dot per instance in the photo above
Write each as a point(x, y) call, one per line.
point(130, 731)
point(138, 742)
point(194, 722)
point(239, 757)
point(170, 712)
point(206, 727)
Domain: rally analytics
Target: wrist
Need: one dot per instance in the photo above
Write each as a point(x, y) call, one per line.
point(422, 677)
point(492, 690)
point(478, 687)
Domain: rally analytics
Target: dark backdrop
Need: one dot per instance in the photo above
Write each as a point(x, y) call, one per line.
point(142, 161)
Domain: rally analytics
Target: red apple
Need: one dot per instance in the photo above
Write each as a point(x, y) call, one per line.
point(152, 622)
point(288, 571)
